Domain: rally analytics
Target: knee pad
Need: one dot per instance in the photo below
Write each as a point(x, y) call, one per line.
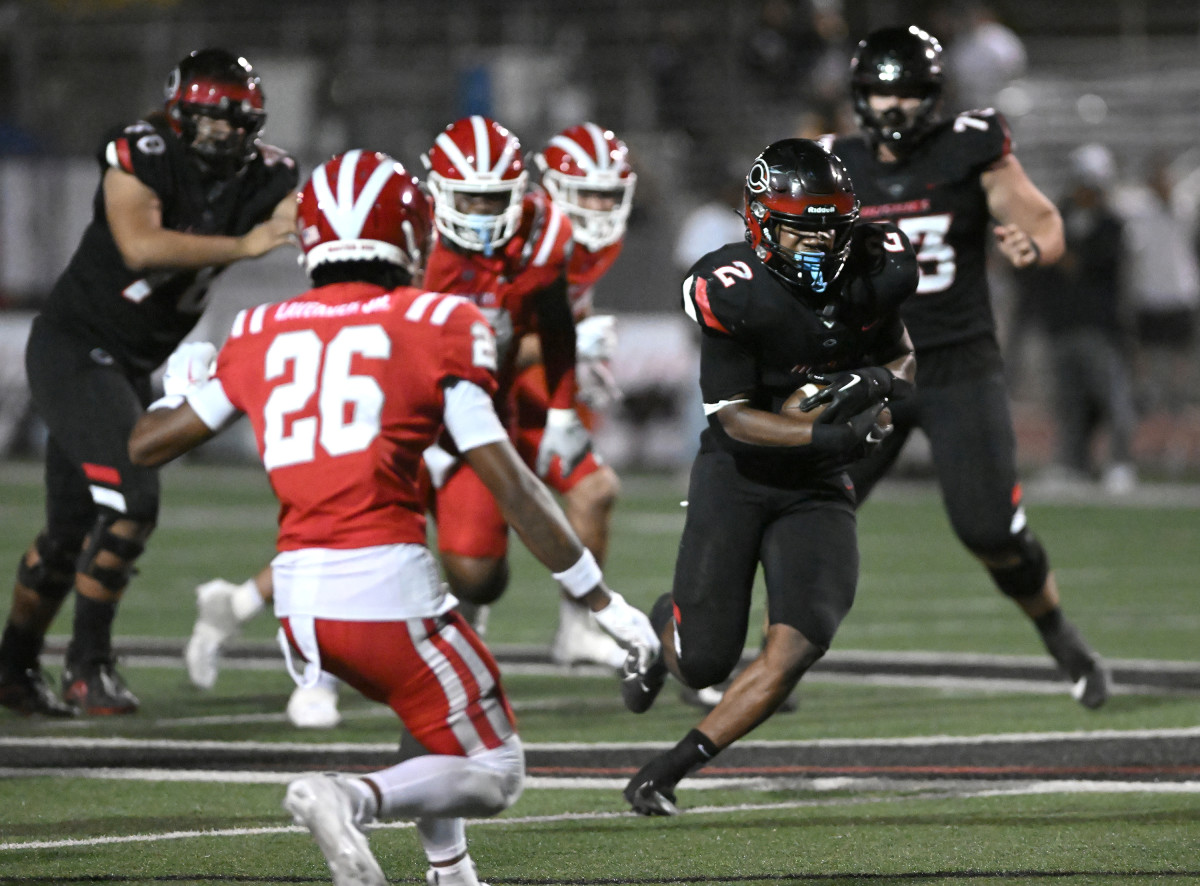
point(54, 574)
point(1028, 576)
point(104, 544)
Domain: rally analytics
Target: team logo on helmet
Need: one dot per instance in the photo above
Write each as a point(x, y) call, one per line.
point(759, 177)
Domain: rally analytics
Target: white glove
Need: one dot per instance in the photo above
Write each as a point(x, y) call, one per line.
point(631, 628)
point(439, 463)
point(596, 338)
point(190, 365)
point(566, 437)
point(598, 389)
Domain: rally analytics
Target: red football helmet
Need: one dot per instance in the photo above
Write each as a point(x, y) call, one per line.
point(477, 177)
point(586, 170)
point(215, 84)
point(363, 206)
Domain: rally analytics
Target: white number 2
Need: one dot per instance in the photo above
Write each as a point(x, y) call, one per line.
point(348, 406)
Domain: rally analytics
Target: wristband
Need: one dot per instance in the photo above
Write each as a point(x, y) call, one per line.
point(581, 577)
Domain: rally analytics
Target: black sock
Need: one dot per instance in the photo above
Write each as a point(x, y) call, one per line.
point(695, 750)
point(91, 639)
point(1051, 622)
point(20, 648)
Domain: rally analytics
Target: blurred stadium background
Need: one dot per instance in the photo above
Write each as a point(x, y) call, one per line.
point(696, 87)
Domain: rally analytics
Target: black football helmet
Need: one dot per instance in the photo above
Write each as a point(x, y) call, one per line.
point(216, 84)
point(796, 183)
point(897, 61)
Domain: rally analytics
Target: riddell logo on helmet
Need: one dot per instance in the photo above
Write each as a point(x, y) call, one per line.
point(822, 209)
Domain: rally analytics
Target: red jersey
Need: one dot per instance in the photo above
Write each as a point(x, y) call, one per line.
point(506, 285)
point(344, 388)
point(585, 269)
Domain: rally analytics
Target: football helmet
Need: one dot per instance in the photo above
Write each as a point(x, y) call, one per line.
point(897, 61)
point(477, 177)
point(796, 183)
point(217, 85)
point(586, 171)
point(363, 206)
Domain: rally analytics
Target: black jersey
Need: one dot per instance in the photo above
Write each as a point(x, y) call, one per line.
point(139, 318)
point(936, 198)
point(763, 338)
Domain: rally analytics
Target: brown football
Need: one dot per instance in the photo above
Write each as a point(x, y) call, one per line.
point(791, 406)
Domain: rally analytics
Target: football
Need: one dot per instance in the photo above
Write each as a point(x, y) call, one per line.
point(791, 406)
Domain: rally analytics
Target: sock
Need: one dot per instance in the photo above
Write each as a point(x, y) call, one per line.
point(247, 602)
point(461, 873)
point(1051, 622)
point(695, 750)
point(367, 808)
point(91, 637)
point(20, 647)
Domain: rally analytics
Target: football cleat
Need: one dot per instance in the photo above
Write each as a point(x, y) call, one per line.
point(314, 707)
point(97, 689)
point(461, 873)
point(706, 699)
point(215, 624)
point(647, 798)
point(27, 692)
point(331, 810)
point(1090, 677)
point(579, 640)
point(641, 685)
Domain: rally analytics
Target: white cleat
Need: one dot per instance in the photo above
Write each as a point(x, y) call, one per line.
point(326, 805)
point(215, 624)
point(314, 707)
point(460, 874)
point(579, 640)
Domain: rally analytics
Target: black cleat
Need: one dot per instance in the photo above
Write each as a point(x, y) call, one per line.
point(641, 685)
point(98, 689)
point(647, 798)
point(27, 693)
point(1091, 678)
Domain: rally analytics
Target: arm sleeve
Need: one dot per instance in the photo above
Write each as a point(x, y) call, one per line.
point(556, 332)
point(470, 416)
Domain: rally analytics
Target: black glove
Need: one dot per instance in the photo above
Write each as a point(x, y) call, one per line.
point(850, 439)
point(849, 393)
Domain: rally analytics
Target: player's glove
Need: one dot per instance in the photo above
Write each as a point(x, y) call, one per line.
point(850, 439)
point(595, 346)
point(849, 393)
point(190, 365)
point(566, 437)
point(631, 628)
point(596, 337)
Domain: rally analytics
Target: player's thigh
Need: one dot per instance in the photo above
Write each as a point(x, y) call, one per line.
point(435, 673)
point(89, 407)
point(715, 567)
point(469, 522)
point(810, 566)
point(974, 455)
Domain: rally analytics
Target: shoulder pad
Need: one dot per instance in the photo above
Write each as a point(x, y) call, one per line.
point(982, 136)
point(135, 149)
point(717, 289)
point(884, 269)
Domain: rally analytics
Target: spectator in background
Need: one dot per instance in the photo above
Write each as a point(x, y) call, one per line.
point(713, 223)
point(1164, 288)
point(982, 55)
point(1080, 303)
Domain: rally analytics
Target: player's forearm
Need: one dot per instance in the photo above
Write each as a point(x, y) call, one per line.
point(754, 427)
point(164, 249)
point(165, 434)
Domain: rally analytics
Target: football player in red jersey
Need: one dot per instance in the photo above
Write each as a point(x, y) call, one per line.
point(506, 247)
point(183, 194)
point(586, 171)
point(345, 386)
point(941, 181)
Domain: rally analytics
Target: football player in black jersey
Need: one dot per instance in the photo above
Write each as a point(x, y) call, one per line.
point(942, 181)
point(812, 295)
point(183, 194)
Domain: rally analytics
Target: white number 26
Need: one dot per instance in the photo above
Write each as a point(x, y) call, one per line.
point(324, 370)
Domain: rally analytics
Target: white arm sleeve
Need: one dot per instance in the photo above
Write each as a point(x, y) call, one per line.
point(470, 417)
point(210, 404)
